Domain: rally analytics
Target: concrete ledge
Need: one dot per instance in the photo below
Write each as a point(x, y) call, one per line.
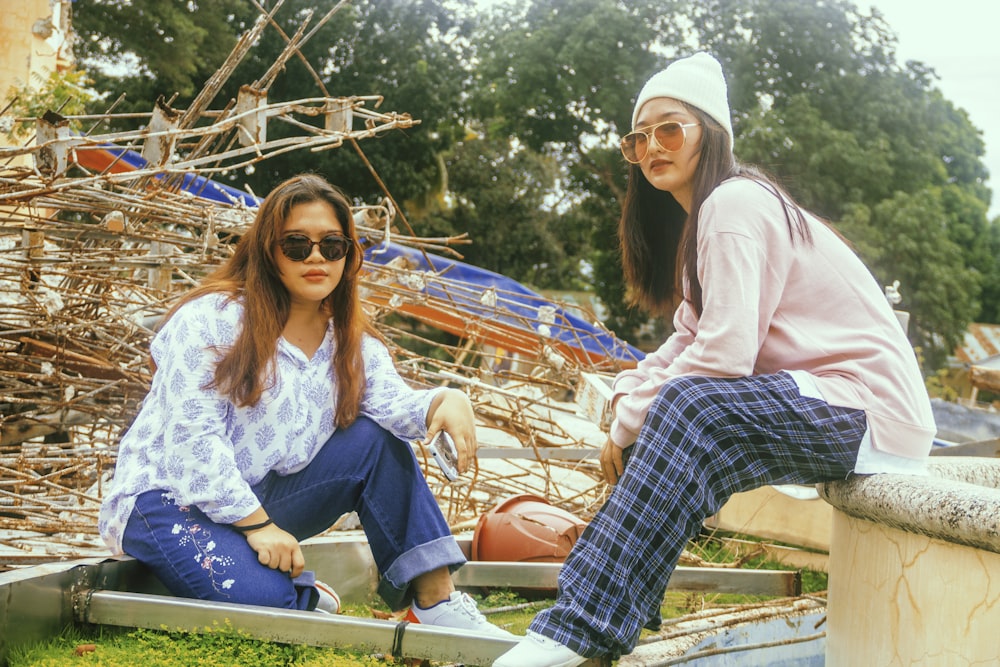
point(915, 567)
point(958, 502)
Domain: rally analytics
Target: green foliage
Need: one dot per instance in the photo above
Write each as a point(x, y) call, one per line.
point(217, 646)
point(64, 92)
point(408, 51)
point(826, 167)
point(712, 549)
point(519, 107)
point(147, 49)
point(222, 645)
point(547, 74)
point(499, 198)
point(941, 385)
point(906, 238)
point(990, 297)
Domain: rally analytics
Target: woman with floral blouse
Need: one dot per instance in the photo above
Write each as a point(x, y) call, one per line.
point(274, 410)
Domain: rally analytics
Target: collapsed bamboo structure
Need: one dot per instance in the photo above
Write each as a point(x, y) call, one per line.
point(94, 247)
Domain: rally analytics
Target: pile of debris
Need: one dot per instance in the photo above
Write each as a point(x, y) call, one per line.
point(98, 232)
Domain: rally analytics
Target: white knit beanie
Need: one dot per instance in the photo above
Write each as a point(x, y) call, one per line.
point(697, 81)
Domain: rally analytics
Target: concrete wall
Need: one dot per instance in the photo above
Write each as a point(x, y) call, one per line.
point(33, 43)
point(24, 51)
point(915, 567)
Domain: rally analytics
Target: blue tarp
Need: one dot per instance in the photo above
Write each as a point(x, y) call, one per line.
point(515, 306)
point(196, 185)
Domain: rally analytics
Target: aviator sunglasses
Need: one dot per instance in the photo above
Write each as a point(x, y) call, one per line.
point(668, 135)
point(297, 247)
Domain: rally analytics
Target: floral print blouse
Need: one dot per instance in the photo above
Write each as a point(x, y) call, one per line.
point(203, 450)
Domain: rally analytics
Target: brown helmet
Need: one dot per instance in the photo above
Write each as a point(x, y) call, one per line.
point(526, 528)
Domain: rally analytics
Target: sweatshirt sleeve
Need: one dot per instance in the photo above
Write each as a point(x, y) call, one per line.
point(629, 414)
point(740, 292)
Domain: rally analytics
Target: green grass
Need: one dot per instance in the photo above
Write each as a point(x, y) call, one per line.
point(218, 646)
point(714, 550)
point(224, 646)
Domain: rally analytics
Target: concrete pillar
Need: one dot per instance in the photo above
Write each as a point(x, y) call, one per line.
point(915, 567)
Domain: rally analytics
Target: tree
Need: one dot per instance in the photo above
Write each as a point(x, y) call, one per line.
point(818, 99)
point(601, 176)
point(821, 102)
point(520, 108)
point(554, 72)
point(906, 238)
point(499, 191)
point(147, 49)
point(561, 77)
point(67, 90)
point(408, 51)
point(990, 297)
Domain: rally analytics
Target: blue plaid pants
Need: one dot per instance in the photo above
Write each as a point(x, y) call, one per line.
point(704, 439)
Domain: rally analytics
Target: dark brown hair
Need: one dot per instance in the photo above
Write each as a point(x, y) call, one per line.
point(659, 239)
point(252, 275)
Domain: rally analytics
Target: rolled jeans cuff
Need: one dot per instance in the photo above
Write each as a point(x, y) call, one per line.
point(394, 586)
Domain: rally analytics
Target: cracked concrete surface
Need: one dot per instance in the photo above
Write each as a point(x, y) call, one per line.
point(915, 567)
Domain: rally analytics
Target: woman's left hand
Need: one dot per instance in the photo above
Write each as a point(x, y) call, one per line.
point(611, 462)
point(451, 411)
point(277, 549)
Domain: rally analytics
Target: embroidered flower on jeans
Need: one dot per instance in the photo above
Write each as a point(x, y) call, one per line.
point(200, 537)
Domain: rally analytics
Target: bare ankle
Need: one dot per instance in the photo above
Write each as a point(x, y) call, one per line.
point(432, 587)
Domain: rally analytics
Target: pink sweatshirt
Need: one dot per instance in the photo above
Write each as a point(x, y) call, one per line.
point(770, 305)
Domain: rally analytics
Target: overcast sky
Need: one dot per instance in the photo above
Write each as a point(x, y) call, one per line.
point(960, 40)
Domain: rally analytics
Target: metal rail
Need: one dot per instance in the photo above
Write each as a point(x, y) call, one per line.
point(40, 601)
point(157, 612)
point(778, 583)
point(398, 639)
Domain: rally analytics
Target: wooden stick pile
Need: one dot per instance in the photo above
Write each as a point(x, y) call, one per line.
point(90, 259)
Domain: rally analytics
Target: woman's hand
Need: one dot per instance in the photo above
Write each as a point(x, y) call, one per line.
point(611, 462)
point(277, 549)
point(451, 411)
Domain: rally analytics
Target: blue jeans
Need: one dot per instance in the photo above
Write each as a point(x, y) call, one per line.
point(703, 440)
point(361, 468)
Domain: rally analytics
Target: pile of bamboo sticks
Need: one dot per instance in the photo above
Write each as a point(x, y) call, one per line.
point(90, 258)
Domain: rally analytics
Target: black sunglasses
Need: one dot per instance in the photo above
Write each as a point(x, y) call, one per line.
point(297, 247)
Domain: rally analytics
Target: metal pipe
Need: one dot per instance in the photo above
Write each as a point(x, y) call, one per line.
point(779, 583)
point(157, 612)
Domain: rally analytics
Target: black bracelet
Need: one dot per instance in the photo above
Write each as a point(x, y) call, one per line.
point(252, 526)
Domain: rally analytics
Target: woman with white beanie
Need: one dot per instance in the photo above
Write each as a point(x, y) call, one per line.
point(786, 366)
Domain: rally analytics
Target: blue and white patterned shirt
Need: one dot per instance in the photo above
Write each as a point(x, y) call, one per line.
point(205, 451)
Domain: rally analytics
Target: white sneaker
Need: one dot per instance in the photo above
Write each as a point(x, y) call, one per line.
point(536, 650)
point(329, 601)
point(458, 611)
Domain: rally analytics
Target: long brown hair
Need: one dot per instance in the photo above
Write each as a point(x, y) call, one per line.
point(251, 274)
point(659, 239)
